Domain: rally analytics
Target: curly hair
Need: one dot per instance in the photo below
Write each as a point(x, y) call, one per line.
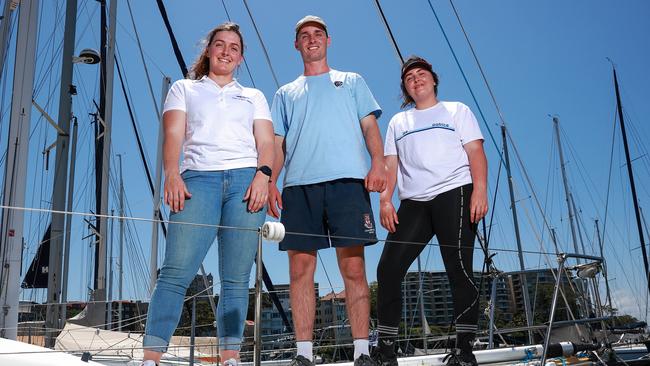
point(201, 66)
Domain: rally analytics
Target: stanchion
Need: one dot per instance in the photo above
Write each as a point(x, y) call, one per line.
point(493, 304)
point(272, 231)
point(193, 331)
point(590, 270)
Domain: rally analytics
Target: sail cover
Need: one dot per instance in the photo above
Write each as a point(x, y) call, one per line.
point(36, 276)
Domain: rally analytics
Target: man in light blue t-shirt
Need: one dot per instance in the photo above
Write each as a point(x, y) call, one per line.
point(325, 123)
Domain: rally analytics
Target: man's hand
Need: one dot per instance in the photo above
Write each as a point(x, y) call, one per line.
point(376, 179)
point(175, 192)
point(275, 201)
point(388, 216)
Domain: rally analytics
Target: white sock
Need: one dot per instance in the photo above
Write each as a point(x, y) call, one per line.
point(360, 348)
point(305, 350)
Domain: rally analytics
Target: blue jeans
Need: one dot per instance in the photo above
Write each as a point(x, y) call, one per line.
point(217, 199)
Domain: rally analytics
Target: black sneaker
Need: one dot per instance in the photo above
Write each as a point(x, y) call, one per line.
point(461, 359)
point(301, 360)
point(364, 360)
point(382, 359)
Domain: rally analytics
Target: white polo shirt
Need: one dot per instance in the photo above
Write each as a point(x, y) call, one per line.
point(219, 128)
point(429, 146)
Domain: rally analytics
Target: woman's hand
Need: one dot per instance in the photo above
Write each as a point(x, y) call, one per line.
point(175, 192)
point(258, 192)
point(388, 216)
point(478, 205)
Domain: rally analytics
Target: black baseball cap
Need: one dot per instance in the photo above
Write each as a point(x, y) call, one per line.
point(413, 62)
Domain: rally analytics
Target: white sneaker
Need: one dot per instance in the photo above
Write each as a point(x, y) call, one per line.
point(230, 362)
point(148, 363)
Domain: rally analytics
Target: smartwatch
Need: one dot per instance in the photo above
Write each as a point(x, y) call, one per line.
point(265, 170)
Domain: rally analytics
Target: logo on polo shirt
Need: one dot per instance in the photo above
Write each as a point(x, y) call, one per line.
point(338, 83)
point(241, 97)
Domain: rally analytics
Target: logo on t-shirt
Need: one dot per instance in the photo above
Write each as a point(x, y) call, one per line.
point(338, 83)
point(442, 125)
point(241, 97)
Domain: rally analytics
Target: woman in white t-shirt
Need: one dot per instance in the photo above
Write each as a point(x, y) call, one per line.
point(434, 152)
point(225, 134)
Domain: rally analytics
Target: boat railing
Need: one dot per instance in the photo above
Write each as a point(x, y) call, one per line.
point(584, 271)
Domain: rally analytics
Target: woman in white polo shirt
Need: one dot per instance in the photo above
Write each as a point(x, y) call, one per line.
point(434, 152)
point(225, 134)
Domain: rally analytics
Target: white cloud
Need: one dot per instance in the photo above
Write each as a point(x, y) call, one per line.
point(629, 303)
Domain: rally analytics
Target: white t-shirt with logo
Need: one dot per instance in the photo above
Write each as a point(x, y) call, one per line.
point(219, 123)
point(429, 146)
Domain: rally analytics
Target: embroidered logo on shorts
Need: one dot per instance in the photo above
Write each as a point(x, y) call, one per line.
point(367, 223)
point(338, 83)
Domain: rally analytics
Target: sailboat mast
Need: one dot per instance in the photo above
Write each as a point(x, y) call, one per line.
point(53, 320)
point(11, 226)
point(630, 174)
point(423, 318)
point(571, 208)
point(567, 193)
point(121, 260)
point(103, 149)
point(68, 221)
point(153, 263)
point(524, 280)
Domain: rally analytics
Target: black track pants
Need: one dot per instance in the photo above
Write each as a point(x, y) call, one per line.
point(447, 217)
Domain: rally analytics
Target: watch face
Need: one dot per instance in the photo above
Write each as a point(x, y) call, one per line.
point(265, 170)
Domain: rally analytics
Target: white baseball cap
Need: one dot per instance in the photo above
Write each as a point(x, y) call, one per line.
point(310, 19)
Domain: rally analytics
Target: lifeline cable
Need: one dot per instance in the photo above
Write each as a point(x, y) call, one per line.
point(142, 219)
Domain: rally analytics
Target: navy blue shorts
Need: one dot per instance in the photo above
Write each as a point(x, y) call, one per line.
point(338, 212)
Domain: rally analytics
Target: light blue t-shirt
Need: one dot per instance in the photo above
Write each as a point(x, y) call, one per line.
point(319, 117)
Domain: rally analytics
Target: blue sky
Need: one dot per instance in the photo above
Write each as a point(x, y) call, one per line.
point(540, 58)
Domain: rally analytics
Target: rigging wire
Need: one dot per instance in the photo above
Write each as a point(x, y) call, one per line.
point(4, 73)
point(494, 199)
point(4, 89)
point(58, 16)
point(131, 248)
point(144, 63)
point(135, 128)
point(389, 32)
point(469, 87)
point(150, 59)
point(638, 140)
point(485, 80)
point(172, 37)
point(266, 53)
point(248, 70)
